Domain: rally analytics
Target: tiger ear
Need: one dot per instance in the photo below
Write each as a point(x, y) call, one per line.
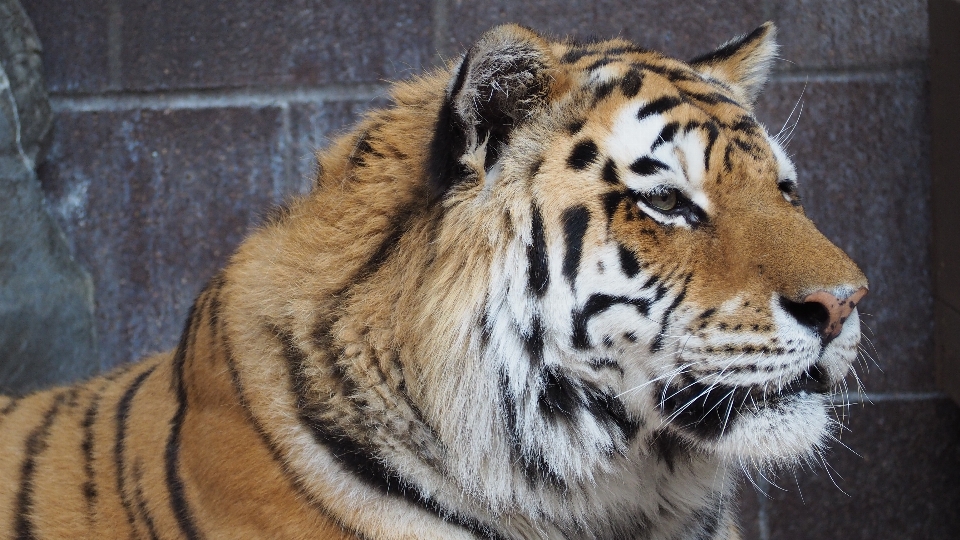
point(744, 62)
point(496, 86)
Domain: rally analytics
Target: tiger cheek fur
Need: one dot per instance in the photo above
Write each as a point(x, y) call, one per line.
point(557, 291)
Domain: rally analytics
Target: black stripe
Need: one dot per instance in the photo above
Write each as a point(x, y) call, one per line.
point(712, 133)
point(533, 341)
point(610, 174)
point(583, 155)
point(575, 221)
point(538, 264)
point(666, 135)
point(221, 343)
point(35, 445)
point(711, 98)
point(89, 486)
point(658, 106)
point(609, 412)
point(178, 499)
point(727, 161)
point(646, 166)
point(575, 126)
point(536, 470)
point(562, 397)
point(673, 73)
point(669, 447)
point(119, 448)
point(701, 408)
point(394, 231)
point(747, 147)
point(449, 140)
point(574, 55)
point(595, 305)
point(628, 261)
point(657, 343)
point(10, 407)
point(142, 511)
point(745, 124)
point(628, 49)
point(362, 148)
point(356, 456)
point(535, 168)
point(631, 83)
point(597, 64)
point(602, 91)
point(729, 49)
point(611, 201)
point(559, 395)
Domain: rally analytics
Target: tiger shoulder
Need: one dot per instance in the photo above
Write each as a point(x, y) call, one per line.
point(557, 290)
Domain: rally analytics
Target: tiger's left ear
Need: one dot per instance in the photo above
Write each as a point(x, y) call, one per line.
point(499, 82)
point(744, 63)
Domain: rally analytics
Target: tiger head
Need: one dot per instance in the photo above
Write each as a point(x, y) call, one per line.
point(620, 251)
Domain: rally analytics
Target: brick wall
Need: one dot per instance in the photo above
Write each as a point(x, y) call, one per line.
point(177, 124)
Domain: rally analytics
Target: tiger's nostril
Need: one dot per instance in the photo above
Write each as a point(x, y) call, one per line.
point(810, 314)
point(823, 312)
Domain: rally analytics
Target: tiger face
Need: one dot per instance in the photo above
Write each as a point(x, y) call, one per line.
point(662, 280)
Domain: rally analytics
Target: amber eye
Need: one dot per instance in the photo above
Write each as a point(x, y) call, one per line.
point(664, 201)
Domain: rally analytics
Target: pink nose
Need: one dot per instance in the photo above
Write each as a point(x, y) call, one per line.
point(837, 310)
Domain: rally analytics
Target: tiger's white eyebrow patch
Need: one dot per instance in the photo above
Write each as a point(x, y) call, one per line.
point(651, 162)
point(631, 138)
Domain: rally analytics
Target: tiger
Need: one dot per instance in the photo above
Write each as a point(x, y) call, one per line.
point(556, 289)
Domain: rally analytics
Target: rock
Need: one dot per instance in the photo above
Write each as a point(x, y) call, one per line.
point(46, 299)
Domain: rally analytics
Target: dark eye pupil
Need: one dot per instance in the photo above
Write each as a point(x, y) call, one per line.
point(664, 201)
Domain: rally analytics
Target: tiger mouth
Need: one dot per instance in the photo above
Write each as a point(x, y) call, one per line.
point(708, 409)
point(811, 381)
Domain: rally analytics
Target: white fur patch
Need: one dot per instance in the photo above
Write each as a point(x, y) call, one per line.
point(631, 139)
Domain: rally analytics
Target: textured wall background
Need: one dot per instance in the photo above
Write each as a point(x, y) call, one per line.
point(177, 124)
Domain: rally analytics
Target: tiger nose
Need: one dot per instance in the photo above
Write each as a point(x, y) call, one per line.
point(833, 311)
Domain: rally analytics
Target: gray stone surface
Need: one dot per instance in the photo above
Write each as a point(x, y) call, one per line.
point(76, 38)
point(843, 33)
point(194, 43)
point(154, 202)
point(20, 54)
point(46, 299)
point(684, 28)
point(901, 482)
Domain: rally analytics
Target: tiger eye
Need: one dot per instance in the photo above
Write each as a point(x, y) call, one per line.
point(665, 201)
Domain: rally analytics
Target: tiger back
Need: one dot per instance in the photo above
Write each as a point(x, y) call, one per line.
point(558, 290)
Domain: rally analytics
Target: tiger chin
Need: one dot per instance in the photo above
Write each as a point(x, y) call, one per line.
point(557, 290)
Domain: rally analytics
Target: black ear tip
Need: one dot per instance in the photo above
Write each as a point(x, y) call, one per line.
point(765, 32)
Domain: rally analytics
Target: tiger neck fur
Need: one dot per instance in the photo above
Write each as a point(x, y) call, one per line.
point(400, 368)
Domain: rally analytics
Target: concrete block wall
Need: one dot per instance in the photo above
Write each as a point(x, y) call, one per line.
point(177, 125)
